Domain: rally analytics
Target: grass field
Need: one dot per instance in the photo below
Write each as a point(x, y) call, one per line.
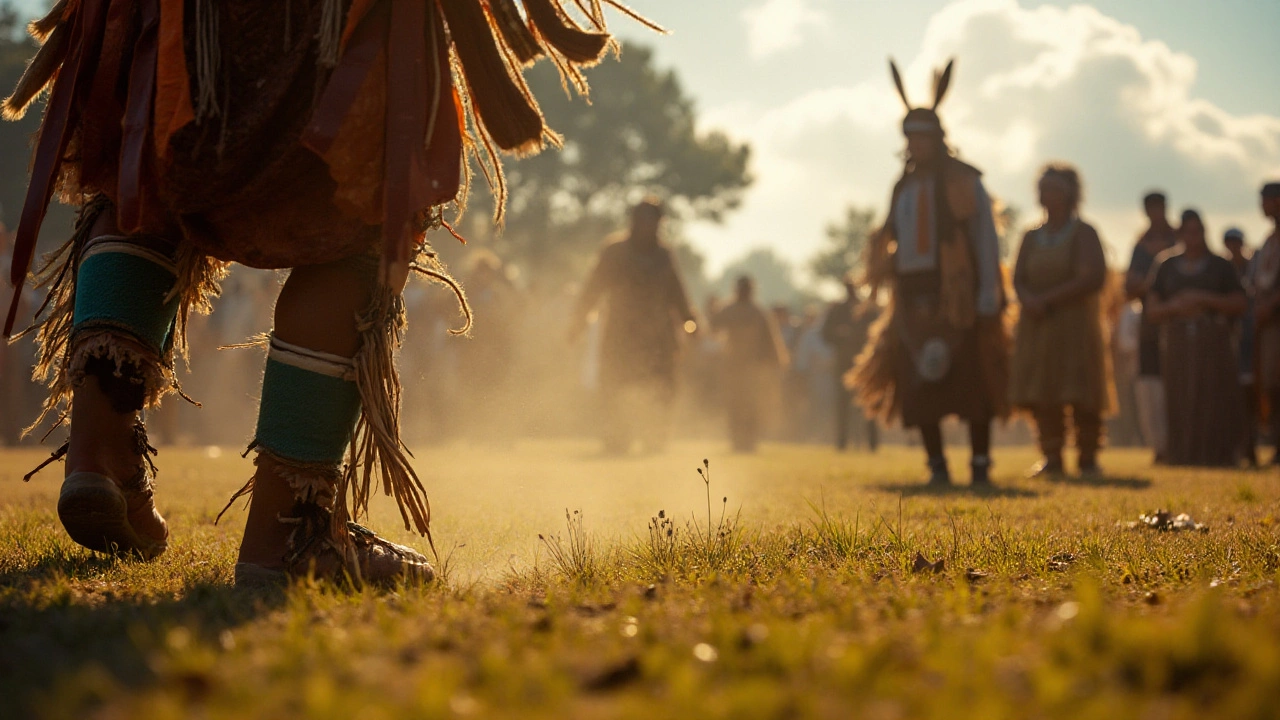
point(824, 586)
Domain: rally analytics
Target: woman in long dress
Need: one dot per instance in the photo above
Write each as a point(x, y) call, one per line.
point(1195, 296)
point(1059, 355)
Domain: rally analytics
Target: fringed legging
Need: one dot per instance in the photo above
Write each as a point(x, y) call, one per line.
point(331, 393)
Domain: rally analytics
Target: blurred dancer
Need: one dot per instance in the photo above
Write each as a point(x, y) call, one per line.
point(1195, 296)
point(645, 308)
point(1265, 279)
point(1148, 388)
point(754, 355)
point(1059, 353)
point(846, 328)
point(941, 349)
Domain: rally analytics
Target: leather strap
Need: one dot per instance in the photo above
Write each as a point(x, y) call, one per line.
point(136, 146)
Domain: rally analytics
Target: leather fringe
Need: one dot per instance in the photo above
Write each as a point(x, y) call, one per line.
point(377, 454)
point(40, 72)
point(60, 355)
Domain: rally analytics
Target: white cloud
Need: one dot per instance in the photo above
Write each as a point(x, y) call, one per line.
point(777, 25)
point(1030, 85)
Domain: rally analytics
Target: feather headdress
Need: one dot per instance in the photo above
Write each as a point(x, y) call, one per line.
point(922, 119)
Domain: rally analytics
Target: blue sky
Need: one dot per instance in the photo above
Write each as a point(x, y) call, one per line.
point(1179, 94)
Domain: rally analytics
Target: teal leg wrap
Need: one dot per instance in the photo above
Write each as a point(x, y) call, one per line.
point(123, 286)
point(310, 405)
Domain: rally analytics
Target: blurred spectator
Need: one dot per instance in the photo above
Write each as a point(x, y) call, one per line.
point(1233, 241)
point(1265, 280)
point(1059, 353)
point(1195, 297)
point(1125, 320)
point(846, 329)
point(812, 366)
point(754, 355)
point(1148, 387)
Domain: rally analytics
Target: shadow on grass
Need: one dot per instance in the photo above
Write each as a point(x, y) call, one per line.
point(1123, 482)
point(925, 490)
point(59, 628)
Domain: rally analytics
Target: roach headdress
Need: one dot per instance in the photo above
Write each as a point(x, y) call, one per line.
point(922, 119)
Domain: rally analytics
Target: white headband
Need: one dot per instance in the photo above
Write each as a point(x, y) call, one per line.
point(920, 126)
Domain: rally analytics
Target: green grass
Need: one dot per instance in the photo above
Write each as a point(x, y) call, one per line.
point(796, 583)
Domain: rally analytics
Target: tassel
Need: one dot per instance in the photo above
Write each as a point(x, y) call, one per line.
point(330, 34)
point(563, 34)
point(515, 33)
point(40, 29)
point(620, 7)
point(208, 59)
point(509, 114)
point(376, 450)
point(43, 68)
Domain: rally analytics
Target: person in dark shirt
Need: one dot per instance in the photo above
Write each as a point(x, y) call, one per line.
point(1195, 296)
point(1264, 281)
point(1233, 241)
point(1148, 388)
point(846, 328)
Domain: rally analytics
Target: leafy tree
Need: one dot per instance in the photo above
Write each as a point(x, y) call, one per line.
point(845, 245)
point(637, 135)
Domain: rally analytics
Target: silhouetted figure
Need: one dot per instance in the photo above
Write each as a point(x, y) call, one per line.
point(1265, 279)
point(753, 357)
point(846, 329)
point(1148, 388)
point(1195, 296)
point(644, 308)
point(941, 349)
point(1233, 241)
point(1059, 352)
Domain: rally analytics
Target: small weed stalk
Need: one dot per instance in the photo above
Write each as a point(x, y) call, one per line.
point(574, 559)
point(663, 549)
point(717, 544)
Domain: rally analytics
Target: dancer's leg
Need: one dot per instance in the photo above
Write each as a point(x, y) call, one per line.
point(931, 434)
point(1090, 433)
point(980, 450)
point(307, 417)
point(122, 328)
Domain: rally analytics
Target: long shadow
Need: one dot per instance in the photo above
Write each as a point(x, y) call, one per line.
point(1105, 481)
point(926, 490)
point(55, 633)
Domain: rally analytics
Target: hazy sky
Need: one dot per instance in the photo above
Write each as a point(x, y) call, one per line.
point(1178, 94)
